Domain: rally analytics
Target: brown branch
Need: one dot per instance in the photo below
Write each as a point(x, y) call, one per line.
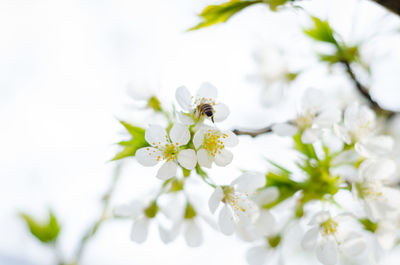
point(392, 5)
point(365, 92)
point(253, 133)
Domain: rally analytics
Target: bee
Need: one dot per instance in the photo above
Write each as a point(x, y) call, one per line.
point(206, 110)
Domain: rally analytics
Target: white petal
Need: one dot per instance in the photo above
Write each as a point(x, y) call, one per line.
point(225, 221)
point(265, 224)
point(311, 135)
point(342, 133)
point(221, 112)
point(284, 129)
point(267, 196)
point(185, 118)
point(207, 91)
point(327, 252)
point(167, 170)
point(148, 156)
point(131, 209)
point(215, 199)
point(198, 138)
point(375, 146)
point(230, 139)
point(353, 245)
point(223, 158)
point(193, 235)
point(328, 117)
point(257, 255)
point(204, 158)
point(187, 158)
point(183, 97)
point(376, 169)
point(310, 238)
point(249, 182)
point(140, 230)
point(311, 100)
point(179, 134)
point(320, 217)
point(156, 135)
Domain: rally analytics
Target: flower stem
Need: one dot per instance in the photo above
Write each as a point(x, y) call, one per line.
point(103, 217)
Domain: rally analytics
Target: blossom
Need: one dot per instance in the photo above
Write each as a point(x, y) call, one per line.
point(238, 207)
point(359, 128)
point(265, 253)
point(207, 94)
point(168, 148)
point(328, 239)
point(311, 120)
point(146, 92)
point(141, 215)
point(211, 144)
point(376, 196)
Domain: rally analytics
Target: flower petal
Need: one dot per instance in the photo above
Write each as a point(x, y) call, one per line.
point(131, 209)
point(284, 129)
point(353, 245)
point(207, 91)
point(267, 196)
point(257, 255)
point(156, 135)
point(185, 118)
point(221, 112)
point(215, 199)
point(179, 134)
point(328, 117)
point(265, 224)
point(327, 252)
point(187, 158)
point(310, 238)
point(225, 221)
point(203, 158)
point(140, 230)
point(311, 135)
point(223, 158)
point(198, 138)
point(320, 217)
point(375, 146)
point(342, 133)
point(184, 98)
point(193, 235)
point(148, 156)
point(167, 170)
point(249, 182)
point(229, 139)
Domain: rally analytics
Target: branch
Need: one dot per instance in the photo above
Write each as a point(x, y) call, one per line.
point(364, 91)
point(103, 217)
point(253, 133)
point(392, 5)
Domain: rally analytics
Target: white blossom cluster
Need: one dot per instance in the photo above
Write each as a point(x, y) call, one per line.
point(360, 163)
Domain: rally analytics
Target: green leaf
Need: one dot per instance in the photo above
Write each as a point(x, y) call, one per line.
point(321, 31)
point(215, 14)
point(284, 170)
point(130, 147)
point(368, 224)
point(46, 232)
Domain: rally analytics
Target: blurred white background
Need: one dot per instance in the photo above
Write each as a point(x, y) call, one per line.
point(64, 70)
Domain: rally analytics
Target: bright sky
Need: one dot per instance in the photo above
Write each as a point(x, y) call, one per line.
point(64, 68)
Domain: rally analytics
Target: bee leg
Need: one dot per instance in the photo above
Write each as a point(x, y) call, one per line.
point(212, 119)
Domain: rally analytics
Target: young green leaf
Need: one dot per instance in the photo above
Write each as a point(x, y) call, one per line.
point(321, 31)
point(46, 232)
point(138, 141)
point(215, 14)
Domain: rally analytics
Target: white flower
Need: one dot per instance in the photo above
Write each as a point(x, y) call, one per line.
point(238, 207)
point(141, 221)
point(311, 120)
point(191, 232)
point(328, 239)
point(211, 144)
point(358, 128)
point(167, 148)
point(263, 254)
point(387, 232)
point(207, 94)
point(378, 199)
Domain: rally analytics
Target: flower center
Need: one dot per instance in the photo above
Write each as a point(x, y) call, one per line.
point(199, 101)
point(170, 151)
point(329, 227)
point(213, 143)
point(305, 120)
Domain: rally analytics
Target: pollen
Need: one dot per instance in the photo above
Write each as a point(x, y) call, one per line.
point(213, 143)
point(329, 227)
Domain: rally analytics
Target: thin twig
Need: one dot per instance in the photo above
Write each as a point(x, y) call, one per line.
point(103, 217)
point(253, 133)
point(365, 92)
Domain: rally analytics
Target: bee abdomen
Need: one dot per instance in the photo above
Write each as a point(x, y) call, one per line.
point(208, 110)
